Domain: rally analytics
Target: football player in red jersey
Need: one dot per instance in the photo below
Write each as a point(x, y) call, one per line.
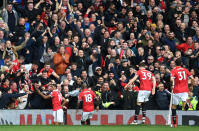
point(57, 103)
point(147, 86)
point(87, 96)
point(179, 78)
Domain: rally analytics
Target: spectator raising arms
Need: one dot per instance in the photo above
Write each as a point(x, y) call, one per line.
point(61, 61)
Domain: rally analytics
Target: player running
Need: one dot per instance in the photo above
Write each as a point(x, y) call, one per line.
point(57, 103)
point(179, 78)
point(147, 86)
point(87, 97)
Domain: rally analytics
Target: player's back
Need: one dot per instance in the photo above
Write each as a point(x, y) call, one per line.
point(56, 100)
point(181, 79)
point(87, 97)
point(145, 77)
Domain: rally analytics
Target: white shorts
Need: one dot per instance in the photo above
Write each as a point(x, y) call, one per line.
point(143, 96)
point(58, 116)
point(178, 97)
point(87, 115)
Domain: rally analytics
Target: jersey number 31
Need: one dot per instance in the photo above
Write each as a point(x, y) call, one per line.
point(182, 75)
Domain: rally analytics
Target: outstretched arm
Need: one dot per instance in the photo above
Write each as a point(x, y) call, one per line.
point(20, 47)
point(78, 103)
point(64, 102)
point(38, 4)
point(17, 95)
point(55, 75)
point(172, 82)
point(154, 85)
point(42, 95)
point(192, 80)
point(98, 102)
point(69, 7)
point(131, 81)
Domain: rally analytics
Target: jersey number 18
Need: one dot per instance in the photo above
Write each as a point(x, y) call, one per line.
point(88, 97)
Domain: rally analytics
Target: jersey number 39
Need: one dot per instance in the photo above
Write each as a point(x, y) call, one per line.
point(146, 75)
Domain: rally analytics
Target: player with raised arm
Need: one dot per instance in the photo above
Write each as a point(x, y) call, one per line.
point(57, 103)
point(147, 86)
point(180, 76)
point(87, 96)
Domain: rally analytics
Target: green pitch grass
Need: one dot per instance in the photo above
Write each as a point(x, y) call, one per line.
point(99, 128)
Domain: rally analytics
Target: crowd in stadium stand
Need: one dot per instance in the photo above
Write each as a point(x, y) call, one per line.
point(97, 42)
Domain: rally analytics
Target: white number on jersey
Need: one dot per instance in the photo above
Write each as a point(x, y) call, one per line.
point(182, 75)
point(88, 97)
point(146, 75)
point(60, 96)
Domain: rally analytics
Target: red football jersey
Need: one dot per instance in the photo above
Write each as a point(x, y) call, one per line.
point(50, 71)
point(56, 100)
point(87, 97)
point(145, 77)
point(16, 66)
point(181, 79)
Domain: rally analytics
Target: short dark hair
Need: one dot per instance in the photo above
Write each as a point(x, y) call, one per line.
point(21, 57)
point(83, 71)
point(4, 80)
point(95, 56)
point(106, 82)
point(73, 63)
point(178, 62)
point(44, 71)
point(35, 62)
point(84, 85)
point(132, 66)
point(10, 3)
point(7, 57)
point(47, 63)
point(142, 64)
point(35, 80)
point(54, 85)
point(117, 57)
